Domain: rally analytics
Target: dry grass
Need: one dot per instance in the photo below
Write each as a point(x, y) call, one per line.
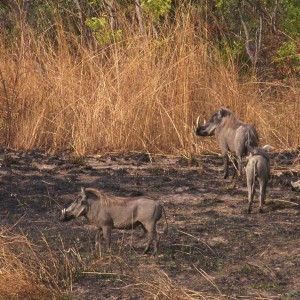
point(30, 271)
point(139, 94)
point(158, 285)
point(41, 271)
point(19, 280)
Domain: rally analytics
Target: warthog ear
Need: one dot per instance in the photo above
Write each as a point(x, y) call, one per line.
point(222, 112)
point(250, 149)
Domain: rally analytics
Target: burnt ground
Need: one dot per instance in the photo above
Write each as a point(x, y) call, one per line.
point(212, 245)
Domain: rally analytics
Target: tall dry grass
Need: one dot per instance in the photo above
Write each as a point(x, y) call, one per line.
point(30, 271)
point(141, 93)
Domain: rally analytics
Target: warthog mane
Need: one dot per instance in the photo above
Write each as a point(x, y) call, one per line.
point(105, 198)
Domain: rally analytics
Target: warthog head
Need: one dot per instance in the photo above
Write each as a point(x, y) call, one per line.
point(208, 129)
point(263, 151)
point(76, 209)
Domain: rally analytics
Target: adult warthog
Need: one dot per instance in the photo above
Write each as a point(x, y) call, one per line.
point(107, 212)
point(231, 134)
point(257, 168)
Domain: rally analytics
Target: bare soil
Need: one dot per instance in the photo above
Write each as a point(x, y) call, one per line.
point(212, 246)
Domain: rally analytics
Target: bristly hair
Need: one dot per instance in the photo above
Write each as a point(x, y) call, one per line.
point(231, 120)
point(105, 198)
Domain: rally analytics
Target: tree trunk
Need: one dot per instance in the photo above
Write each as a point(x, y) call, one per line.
point(139, 15)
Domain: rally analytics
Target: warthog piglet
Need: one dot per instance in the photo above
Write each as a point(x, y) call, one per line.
point(257, 168)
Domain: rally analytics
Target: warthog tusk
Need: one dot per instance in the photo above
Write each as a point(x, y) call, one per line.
point(197, 122)
point(63, 212)
point(204, 121)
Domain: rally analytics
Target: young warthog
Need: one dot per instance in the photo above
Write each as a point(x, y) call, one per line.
point(258, 167)
point(107, 212)
point(231, 135)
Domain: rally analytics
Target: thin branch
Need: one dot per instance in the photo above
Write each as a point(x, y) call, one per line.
point(273, 16)
point(249, 49)
point(109, 4)
point(139, 15)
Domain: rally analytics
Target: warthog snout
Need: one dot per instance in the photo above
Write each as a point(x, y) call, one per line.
point(65, 217)
point(201, 130)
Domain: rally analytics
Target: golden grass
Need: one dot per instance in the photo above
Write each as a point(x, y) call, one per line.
point(29, 271)
point(20, 278)
point(141, 94)
point(158, 285)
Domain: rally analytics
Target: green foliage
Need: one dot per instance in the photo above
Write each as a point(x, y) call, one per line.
point(223, 25)
point(97, 23)
point(94, 1)
point(100, 26)
point(157, 8)
point(104, 38)
point(290, 11)
point(289, 49)
point(288, 56)
point(281, 26)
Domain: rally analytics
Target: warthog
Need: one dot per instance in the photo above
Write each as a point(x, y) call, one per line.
point(257, 168)
point(231, 134)
point(107, 212)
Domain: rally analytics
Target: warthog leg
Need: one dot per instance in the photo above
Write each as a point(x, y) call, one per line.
point(240, 165)
point(156, 242)
point(225, 161)
point(107, 236)
point(98, 242)
point(237, 166)
point(262, 190)
point(251, 191)
point(152, 236)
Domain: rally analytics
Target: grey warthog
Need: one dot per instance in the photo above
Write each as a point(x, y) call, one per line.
point(107, 212)
point(231, 134)
point(257, 168)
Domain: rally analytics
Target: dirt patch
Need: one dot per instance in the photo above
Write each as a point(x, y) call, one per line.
point(212, 246)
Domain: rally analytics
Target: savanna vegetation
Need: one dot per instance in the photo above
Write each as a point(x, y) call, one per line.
point(102, 76)
point(97, 76)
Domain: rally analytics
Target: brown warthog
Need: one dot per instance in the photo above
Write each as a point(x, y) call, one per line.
point(107, 212)
point(231, 135)
point(257, 168)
